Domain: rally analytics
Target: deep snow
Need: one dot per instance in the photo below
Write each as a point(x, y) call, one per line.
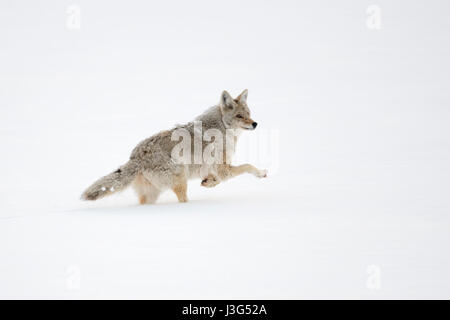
point(356, 204)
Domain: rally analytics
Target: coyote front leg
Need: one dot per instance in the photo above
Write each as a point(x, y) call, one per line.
point(225, 172)
point(179, 187)
point(234, 171)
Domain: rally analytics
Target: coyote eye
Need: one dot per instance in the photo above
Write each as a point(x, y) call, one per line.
point(239, 116)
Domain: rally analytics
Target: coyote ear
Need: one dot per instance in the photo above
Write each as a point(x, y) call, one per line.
point(242, 98)
point(226, 100)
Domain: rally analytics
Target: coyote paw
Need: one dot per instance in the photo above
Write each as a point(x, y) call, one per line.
point(262, 174)
point(210, 181)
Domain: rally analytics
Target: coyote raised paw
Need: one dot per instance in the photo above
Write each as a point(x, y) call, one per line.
point(210, 181)
point(262, 174)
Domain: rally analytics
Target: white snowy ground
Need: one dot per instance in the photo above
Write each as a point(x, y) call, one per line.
point(357, 202)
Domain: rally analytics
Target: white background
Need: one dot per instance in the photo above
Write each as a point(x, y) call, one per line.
point(357, 202)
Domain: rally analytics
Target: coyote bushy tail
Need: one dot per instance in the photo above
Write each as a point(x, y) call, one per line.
point(113, 182)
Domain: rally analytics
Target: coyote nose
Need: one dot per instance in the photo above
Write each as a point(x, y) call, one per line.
point(254, 124)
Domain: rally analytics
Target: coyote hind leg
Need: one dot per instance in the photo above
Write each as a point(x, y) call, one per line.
point(146, 192)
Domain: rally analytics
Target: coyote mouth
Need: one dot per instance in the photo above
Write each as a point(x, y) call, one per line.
point(249, 126)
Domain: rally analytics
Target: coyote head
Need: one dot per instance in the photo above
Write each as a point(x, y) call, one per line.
point(235, 112)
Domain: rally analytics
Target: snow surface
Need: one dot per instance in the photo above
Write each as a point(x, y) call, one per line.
point(356, 204)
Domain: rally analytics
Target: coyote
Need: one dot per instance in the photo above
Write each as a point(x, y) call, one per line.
point(152, 167)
